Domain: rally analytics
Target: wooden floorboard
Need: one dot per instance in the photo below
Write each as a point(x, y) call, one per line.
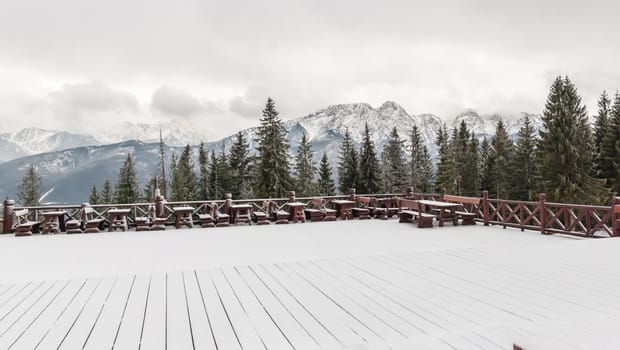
point(447, 299)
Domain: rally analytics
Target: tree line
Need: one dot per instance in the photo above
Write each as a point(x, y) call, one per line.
point(567, 159)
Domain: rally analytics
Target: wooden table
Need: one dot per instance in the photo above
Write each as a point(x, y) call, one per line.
point(118, 219)
point(296, 211)
point(343, 208)
point(183, 216)
point(241, 212)
point(390, 205)
point(53, 221)
point(443, 208)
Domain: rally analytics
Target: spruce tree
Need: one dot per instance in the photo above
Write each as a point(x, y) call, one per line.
point(175, 185)
point(368, 181)
point(415, 161)
point(446, 167)
point(563, 154)
point(600, 131)
point(184, 182)
point(347, 164)
point(393, 165)
point(148, 192)
point(272, 166)
point(240, 175)
point(203, 172)
point(502, 156)
point(94, 195)
point(31, 187)
point(305, 169)
point(425, 171)
point(524, 164)
point(127, 189)
point(326, 186)
point(610, 148)
point(215, 182)
point(106, 196)
point(469, 173)
point(223, 169)
point(487, 168)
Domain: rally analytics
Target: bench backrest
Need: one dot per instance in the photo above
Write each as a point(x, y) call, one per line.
point(363, 201)
point(316, 203)
point(408, 203)
point(21, 215)
point(461, 199)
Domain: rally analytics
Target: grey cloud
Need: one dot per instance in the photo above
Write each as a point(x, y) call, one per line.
point(172, 101)
point(92, 97)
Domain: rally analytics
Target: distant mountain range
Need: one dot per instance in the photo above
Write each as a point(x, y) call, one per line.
point(70, 164)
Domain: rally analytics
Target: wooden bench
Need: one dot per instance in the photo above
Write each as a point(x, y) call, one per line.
point(277, 214)
point(261, 216)
point(92, 222)
point(314, 210)
point(409, 211)
point(142, 223)
point(206, 218)
point(221, 218)
point(467, 216)
point(24, 226)
point(363, 209)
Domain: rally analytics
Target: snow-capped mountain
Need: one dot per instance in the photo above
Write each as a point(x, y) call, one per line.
point(70, 173)
point(174, 133)
point(34, 140)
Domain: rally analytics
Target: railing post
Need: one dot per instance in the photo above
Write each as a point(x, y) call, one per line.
point(227, 203)
point(485, 207)
point(7, 216)
point(352, 194)
point(291, 196)
point(159, 206)
point(441, 194)
point(615, 215)
point(409, 192)
point(543, 213)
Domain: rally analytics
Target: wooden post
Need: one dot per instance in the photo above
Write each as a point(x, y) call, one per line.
point(159, 206)
point(441, 194)
point(291, 196)
point(615, 216)
point(7, 217)
point(485, 207)
point(409, 192)
point(543, 213)
point(352, 194)
point(228, 203)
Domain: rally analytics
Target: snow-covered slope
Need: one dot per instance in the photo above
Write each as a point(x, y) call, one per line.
point(175, 133)
point(34, 140)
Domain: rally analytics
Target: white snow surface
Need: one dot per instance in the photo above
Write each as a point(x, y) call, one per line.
point(348, 284)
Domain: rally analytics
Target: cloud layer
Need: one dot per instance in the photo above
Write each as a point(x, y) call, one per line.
point(68, 63)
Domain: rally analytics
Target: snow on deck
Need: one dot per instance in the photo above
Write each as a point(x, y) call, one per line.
point(359, 284)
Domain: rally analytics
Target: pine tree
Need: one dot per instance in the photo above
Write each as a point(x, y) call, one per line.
point(94, 195)
point(148, 192)
point(610, 148)
point(394, 169)
point(502, 154)
point(224, 171)
point(415, 160)
point(369, 165)
point(162, 182)
point(127, 189)
point(347, 164)
point(600, 130)
point(175, 185)
point(29, 191)
point(184, 182)
point(523, 165)
point(272, 166)
point(240, 174)
point(305, 169)
point(469, 173)
point(487, 168)
point(106, 196)
point(215, 182)
point(446, 167)
point(326, 186)
point(563, 154)
point(203, 172)
point(425, 171)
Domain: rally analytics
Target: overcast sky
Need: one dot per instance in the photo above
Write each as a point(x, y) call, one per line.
point(78, 64)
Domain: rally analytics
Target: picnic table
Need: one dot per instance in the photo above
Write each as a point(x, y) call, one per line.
point(296, 211)
point(118, 219)
point(241, 212)
point(443, 208)
point(183, 216)
point(53, 221)
point(343, 208)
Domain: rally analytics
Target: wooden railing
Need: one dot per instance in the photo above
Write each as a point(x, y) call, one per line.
point(542, 216)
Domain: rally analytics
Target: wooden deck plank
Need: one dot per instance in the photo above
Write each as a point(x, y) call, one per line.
point(21, 305)
point(153, 332)
point(104, 330)
point(6, 289)
point(201, 321)
point(323, 336)
point(17, 297)
point(295, 332)
point(179, 331)
point(131, 327)
point(30, 334)
point(59, 328)
point(225, 334)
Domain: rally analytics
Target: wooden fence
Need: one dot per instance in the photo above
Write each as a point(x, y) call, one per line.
point(543, 216)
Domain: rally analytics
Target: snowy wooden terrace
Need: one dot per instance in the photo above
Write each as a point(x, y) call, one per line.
point(369, 284)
